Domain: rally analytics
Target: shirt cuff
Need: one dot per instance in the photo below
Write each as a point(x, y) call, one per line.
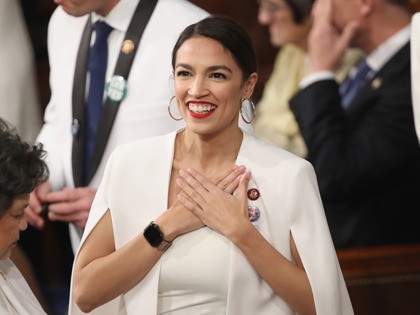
point(315, 77)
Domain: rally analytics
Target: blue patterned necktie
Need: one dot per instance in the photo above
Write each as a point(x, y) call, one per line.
point(98, 58)
point(351, 86)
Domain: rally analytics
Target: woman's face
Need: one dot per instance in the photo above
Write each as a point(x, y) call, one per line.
point(12, 222)
point(278, 16)
point(209, 86)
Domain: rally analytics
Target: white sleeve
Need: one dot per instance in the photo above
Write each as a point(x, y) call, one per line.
point(99, 208)
point(51, 132)
point(415, 69)
point(314, 243)
point(316, 77)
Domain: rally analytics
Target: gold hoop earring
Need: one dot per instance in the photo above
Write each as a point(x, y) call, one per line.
point(245, 112)
point(169, 110)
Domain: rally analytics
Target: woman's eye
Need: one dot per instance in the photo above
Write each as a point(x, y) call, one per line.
point(182, 73)
point(218, 75)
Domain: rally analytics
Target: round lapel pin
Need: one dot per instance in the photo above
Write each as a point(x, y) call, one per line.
point(253, 213)
point(376, 83)
point(253, 194)
point(116, 88)
point(75, 128)
point(127, 46)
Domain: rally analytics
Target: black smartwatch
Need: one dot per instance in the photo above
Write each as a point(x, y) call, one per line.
point(155, 237)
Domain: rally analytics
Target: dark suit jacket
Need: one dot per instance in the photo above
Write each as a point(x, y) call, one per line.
point(367, 158)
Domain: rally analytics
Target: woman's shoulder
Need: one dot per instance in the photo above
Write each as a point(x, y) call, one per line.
point(287, 55)
point(267, 154)
point(274, 166)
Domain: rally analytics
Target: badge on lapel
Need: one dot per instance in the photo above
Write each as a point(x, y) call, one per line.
point(116, 88)
point(253, 211)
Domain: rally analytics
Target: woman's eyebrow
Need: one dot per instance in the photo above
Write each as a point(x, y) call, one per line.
point(213, 68)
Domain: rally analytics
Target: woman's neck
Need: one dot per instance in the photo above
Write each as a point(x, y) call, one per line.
point(208, 154)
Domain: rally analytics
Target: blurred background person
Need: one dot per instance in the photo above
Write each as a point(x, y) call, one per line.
point(361, 136)
point(22, 169)
point(415, 69)
point(84, 121)
point(20, 102)
point(289, 23)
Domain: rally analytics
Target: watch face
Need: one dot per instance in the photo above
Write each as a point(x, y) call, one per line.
point(153, 235)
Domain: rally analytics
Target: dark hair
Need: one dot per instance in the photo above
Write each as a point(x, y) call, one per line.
point(22, 168)
point(228, 33)
point(401, 3)
point(301, 9)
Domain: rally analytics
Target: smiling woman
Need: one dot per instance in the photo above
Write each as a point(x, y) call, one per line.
point(207, 234)
point(22, 170)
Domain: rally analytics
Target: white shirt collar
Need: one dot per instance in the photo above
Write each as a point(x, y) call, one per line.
point(382, 54)
point(120, 16)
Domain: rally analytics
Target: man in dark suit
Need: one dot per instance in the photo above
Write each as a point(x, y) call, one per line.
point(363, 147)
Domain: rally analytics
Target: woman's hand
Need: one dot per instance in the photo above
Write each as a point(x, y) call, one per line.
point(228, 215)
point(229, 180)
point(178, 220)
point(216, 208)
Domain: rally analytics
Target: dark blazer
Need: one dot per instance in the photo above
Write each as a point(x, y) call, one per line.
point(367, 158)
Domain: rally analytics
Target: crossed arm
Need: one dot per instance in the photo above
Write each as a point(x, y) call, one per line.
point(200, 203)
point(228, 215)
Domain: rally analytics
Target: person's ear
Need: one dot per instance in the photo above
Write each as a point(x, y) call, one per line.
point(250, 85)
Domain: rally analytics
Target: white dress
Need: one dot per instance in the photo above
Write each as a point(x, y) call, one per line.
point(16, 298)
point(194, 275)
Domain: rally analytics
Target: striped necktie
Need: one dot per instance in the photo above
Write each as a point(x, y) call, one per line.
point(350, 87)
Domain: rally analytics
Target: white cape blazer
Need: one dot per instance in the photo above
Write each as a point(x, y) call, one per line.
point(415, 69)
point(135, 189)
